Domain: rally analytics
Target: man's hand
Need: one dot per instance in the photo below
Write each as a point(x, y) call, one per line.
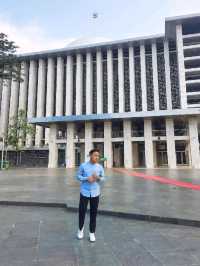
point(91, 179)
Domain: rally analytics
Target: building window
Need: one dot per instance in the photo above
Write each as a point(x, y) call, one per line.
point(138, 90)
point(94, 95)
point(126, 80)
point(84, 85)
point(74, 85)
point(105, 83)
point(115, 82)
point(149, 79)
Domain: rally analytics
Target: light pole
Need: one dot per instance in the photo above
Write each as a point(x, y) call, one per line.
point(2, 151)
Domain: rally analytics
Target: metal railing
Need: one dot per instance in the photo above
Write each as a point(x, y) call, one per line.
point(98, 134)
point(159, 132)
point(117, 134)
point(137, 133)
point(181, 132)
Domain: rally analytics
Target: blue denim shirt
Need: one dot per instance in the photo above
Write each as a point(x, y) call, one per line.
point(85, 170)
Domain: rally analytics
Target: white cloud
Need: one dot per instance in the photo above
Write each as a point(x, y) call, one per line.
point(182, 7)
point(30, 37)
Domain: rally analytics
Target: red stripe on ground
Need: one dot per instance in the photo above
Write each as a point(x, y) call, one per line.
point(160, 179)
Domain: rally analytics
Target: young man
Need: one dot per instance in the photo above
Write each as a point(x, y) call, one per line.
point(90, 174)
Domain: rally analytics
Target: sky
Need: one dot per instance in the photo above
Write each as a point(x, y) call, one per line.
point(48, 24)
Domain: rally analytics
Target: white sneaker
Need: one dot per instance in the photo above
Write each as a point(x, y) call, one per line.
point(92, 237)
point(80, 233)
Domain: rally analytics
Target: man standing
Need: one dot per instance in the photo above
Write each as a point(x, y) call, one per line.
point(90, 174)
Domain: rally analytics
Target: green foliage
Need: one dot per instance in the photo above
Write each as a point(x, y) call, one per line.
point(18, 129)
point(9, 63)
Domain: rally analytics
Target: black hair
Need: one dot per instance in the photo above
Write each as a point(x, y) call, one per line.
point(94, 150)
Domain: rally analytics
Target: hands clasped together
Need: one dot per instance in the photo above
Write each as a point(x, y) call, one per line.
point(93, 178)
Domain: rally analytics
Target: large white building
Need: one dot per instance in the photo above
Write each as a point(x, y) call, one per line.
point(137, 100)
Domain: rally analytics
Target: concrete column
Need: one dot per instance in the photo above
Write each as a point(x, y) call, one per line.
point(40, 99)
point(59, 86)
point(14, 100)
point(1, 89)
point(5, 105)
point(53, 148)
point(79, 84)
point(69, 86)
point(108, 143)
point(89, 82)
point(167, 76)
point(181, 66)
point(121, 79)
point(99, 83)
point(132, 78)
point(148, 143)
point(23, 87)
point(50, 93)
point(194, 142)
point(88, 139)
point(143, 77)
point(135, 155)
point(70, 151)
point(110, 80)
point(171, 151)
point(128, 154)
point(31, 97)
point(155, 76)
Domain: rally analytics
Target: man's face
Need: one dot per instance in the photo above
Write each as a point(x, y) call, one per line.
point(94, 157)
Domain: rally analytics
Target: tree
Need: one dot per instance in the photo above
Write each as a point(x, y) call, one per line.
point(17, 132)
point(9, 63)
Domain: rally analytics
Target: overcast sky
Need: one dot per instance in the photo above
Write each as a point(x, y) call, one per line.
point(46, 24)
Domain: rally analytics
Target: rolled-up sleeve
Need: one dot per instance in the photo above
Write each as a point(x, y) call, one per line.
point(80, 174)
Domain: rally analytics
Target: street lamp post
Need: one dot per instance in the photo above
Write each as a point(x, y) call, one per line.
point(2, 151)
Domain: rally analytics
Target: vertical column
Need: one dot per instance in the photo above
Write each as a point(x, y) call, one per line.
point(31, 96)
point(132, 78)
point(50, 92)
point(148, 143)
point(194, 142)
point(59, 86)
point(89, 81)
point(70, 151)
point(99, 83)
point(128, 154)
point(121, 79)
point(143, 77)
point(167, 75)
point(14, 100)
point(108, 143)
point(79, 84)
point(181, 66)
point(69, 85)
point(155, 76)
point(40, 99)
point(23, 87)
point(53, 148)
point(110, 80)
point(5, 104)
point(88, 138)
point(171, 151)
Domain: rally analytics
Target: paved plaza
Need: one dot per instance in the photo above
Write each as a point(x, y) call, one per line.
point(31, 236)
point(121, 192)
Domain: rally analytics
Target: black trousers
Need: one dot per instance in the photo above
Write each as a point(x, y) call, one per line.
point(94, 202)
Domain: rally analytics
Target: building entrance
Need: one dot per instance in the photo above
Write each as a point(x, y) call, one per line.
point(118, 154)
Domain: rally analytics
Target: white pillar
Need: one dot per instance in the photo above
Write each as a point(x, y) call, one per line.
point(99, 83)
point(5, 104)
point(143, 77)
point(89, 83)
point(79, 84)
point(149, 159)
point(50, 92)
point(53, 148)
point(88, 139)
point(1, 89)
point(59, 86)
point(70, 151)
point(167, 75)
point(23, 89)
point(40, 99)
point(31, 96)
point(171, 151)
point(69, 86)
point(14, 100)
point(110, 79)
point(181, 66)
point(194, 142)
point(132, 78)
point(121, 79)
point(128, 154)
point(108, 143)
point(155, 76)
